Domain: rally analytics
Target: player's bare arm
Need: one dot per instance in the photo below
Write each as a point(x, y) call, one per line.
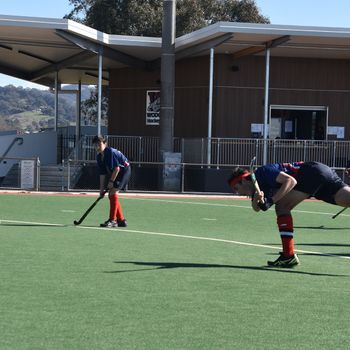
point(287, 184)
point(113, 177)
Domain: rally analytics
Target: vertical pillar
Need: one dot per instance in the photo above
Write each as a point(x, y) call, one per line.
point(171, 172)
point(167, 78)
point(266, 104)
point(99, 94)
point(210, 104)
point(56, 101)
point(78, 115)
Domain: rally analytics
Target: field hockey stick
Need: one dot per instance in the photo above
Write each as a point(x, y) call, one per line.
point(339, 212)
point(89, 209)
point(253, 177)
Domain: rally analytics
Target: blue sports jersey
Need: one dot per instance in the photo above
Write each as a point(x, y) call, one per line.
point(267, 174)
point(112, 158)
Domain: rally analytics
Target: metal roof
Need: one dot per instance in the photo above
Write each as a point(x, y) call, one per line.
point(291, 41)
point(33, 48)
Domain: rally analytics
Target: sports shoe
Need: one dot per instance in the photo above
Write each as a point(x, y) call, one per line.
point(109, 223)
point(283, 261)
point(122, 223)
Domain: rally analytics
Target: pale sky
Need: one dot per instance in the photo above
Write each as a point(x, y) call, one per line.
point(321, 13)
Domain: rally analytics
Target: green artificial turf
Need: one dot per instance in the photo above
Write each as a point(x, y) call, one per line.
point(186, 273)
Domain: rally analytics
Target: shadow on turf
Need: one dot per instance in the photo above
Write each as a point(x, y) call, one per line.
point(324, 244)
point(322, 228)
point(317, 245)
point(327, 255)
point(173, 265)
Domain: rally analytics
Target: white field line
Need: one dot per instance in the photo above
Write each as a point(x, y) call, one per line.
point(172, 235)
point(193, 237)
point(31, 223)
point(229, 205)
point(155, 197)
point(209, 239)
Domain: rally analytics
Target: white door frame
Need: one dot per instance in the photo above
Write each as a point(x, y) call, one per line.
point(302, 108)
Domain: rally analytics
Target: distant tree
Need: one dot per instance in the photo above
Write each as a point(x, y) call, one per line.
point(125, 17)
point(89, 109)
point(144, 17)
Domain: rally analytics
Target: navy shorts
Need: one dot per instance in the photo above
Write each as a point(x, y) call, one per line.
point(123, 178)
point(318, 180)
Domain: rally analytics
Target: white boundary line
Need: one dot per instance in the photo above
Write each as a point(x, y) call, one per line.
point(174, 235)
point(209, 239)
point(226, 205)
point(128, 194)
point(31, 223)
point(163, 197)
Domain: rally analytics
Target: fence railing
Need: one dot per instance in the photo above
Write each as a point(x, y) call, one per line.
point(146, 176)
point(335, 154)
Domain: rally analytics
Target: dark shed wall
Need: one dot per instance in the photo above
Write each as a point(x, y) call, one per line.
point(304, 82)
point(309, 82)
point(191, 97)
point(128, 99)
point(238, 94)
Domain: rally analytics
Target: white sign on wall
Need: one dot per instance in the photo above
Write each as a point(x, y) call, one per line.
point(257, 128)
point(152, 107)
point(339, 131)
point(27, 174)
point(275, 128)
point(288, 126)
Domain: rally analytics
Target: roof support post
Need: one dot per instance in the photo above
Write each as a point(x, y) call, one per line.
point(210, 104)
point(99, 99)
point(266, 103)
point(78, 116)
point(56, 101)
point(167, 78)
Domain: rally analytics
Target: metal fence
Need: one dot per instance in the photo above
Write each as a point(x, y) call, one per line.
point(65, 146)
point(197, 175)
point(223, 150)
point(146, 176)
point(137, 148)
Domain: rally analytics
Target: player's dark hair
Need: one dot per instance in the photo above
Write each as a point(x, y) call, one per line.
point(98, 139)
point(237, 172)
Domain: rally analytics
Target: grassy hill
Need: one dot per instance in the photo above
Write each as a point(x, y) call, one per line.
point(26, 121)
point(25, 109)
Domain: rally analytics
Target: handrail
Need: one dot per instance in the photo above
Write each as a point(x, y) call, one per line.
point(16, 139)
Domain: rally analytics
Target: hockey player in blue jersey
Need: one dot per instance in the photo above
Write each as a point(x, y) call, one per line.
point(113, 167)
point(285, 185)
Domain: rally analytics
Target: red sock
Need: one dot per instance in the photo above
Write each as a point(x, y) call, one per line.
point(288, 246)
point(119, 214)
point(113, 206)
point(285, 226)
